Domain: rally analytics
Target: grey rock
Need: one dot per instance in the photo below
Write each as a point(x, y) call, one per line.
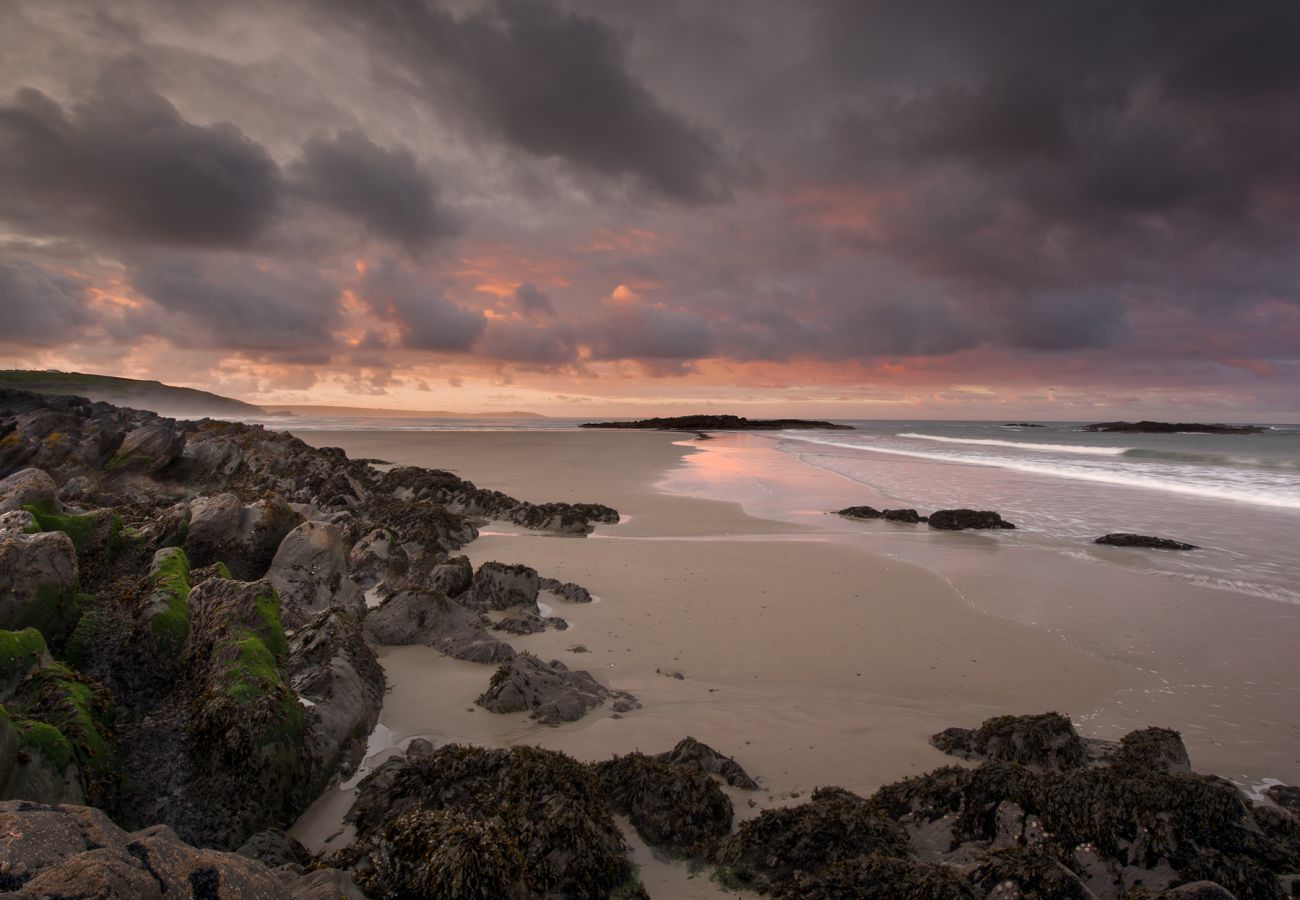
point(322, 884)
point(550, 692)
point(472, 644)
point(1286, 796)
point(29, 487)
point(38, 584)
point(1198, 890)
point(416, 617)
point(1124, 539)
point(149, 448)
point(273, 848)
point(15, 522)
point(690, 752)
point(245, 538)
point(574, 593)
point(310, 570)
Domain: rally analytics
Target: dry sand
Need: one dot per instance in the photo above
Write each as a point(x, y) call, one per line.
point(809, 661)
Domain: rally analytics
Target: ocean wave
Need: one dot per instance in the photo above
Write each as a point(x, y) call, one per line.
point(1276, 496)
point(1020, 445)
point(1216, 459)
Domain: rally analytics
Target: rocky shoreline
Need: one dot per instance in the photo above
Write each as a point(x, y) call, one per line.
point(719, 423)
point(189, 615)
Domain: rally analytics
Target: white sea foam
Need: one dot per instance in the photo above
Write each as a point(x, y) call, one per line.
point(1258, 494)
point(1020, 445)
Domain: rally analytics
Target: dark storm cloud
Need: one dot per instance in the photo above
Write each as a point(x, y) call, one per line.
point(553, 84)
point(226, 302)
point(383, 188)
point(124, 163)
point(545, 345)
point(532, 302)
point(38, 307)
point(427, 319)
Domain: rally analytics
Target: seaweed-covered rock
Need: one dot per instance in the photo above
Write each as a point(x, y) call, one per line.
point(416, 617)
point(690, 752)
point(29, 487)
point(1153, 750)
point(39, 578)
point(521, 625)
point(860, 512)
point(309, 571)
point(273, 848)
point(1123, 539)
point(452, 576)
point(960, 519)
point(502, 586)
point(876, 877)
point(676, 807)
point(1047, 740)
point(906, 516)
point(548, 806)
point(442, 853)
point(574, 593)
point(76, 851)
point(833, 826)
point(1021, 873)
point(550, 692)
point(1286, 796)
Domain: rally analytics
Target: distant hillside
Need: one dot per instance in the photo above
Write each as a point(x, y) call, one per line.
point(361, 411)
point(163, 399)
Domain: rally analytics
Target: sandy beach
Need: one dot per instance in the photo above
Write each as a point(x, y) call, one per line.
point(810, 661)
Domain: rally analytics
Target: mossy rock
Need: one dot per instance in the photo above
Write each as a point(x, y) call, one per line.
point(833, 826)
point(20, 652)
point(168, 615)
point(442, 853)
point(95, 534)
point(672, 806)
point(550, 805)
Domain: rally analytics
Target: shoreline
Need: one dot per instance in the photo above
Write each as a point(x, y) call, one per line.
point(873, 654)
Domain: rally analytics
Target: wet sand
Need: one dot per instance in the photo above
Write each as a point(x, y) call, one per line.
point(811, 661)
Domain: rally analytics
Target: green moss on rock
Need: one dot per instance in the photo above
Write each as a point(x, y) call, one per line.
point(93, 532)
point(171, 585)
point(20, 651)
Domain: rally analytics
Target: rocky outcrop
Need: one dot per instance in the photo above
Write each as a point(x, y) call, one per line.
point(961, 519)
point(1046, 741)
point(520, 813)
point(719, 423)
point(906, 516)
point(700, 756)
point(1123, 539)
point(1159, 750)
point(549, 692)
point(309, 571)
point(1148, 427)
point(244, 537)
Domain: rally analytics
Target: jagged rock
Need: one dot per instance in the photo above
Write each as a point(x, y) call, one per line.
point(167, 528)
point(309, 571)
point(574, 593)
point(959, 519)
point(472, 644)
point(377, 558)
point(672, 806)
point(452, 576)
point(245, 538)
point(340, 682)
point(1048, 740)
point(1123, 539)
point(525, 624)
point(16, 522)
point(149, 448)
point(273, 848)
point(690, 752)
point(550, 692)
point(39, 578)
point(833, 826)
point(29, 487)
point(549, 823)
point(876, 877)
point(412, 617)
point(77, 851)
point(1020, 873)
point(501, 586)
point(860, 512)
point(906, 516)
point(1153, 750)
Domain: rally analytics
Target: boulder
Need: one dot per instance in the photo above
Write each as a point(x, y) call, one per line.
point(29, 487)
point(245, 538)
point(274, 848)
point(472, 644)
point(416, 617)
point(376, 558)
point(690, 752)
point(39, 577)
point(149, 448)
point(309, 571)
point(77, 851)
point(906, 516)
point(501, 586)
point(860, 512)
point(1123, 539)
point(550, 692)
point(1286, 796)
point(960, 519)
point(16, 522)
point(521, 625)
point(452, 576)
point(1153, 750)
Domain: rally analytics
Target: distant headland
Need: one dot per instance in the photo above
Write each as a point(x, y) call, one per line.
point(1147, 427)
point(718, 423)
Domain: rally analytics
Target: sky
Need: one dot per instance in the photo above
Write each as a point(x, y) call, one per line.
point(842, 208)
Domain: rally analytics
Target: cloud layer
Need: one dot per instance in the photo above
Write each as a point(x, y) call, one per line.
point(579, 195)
